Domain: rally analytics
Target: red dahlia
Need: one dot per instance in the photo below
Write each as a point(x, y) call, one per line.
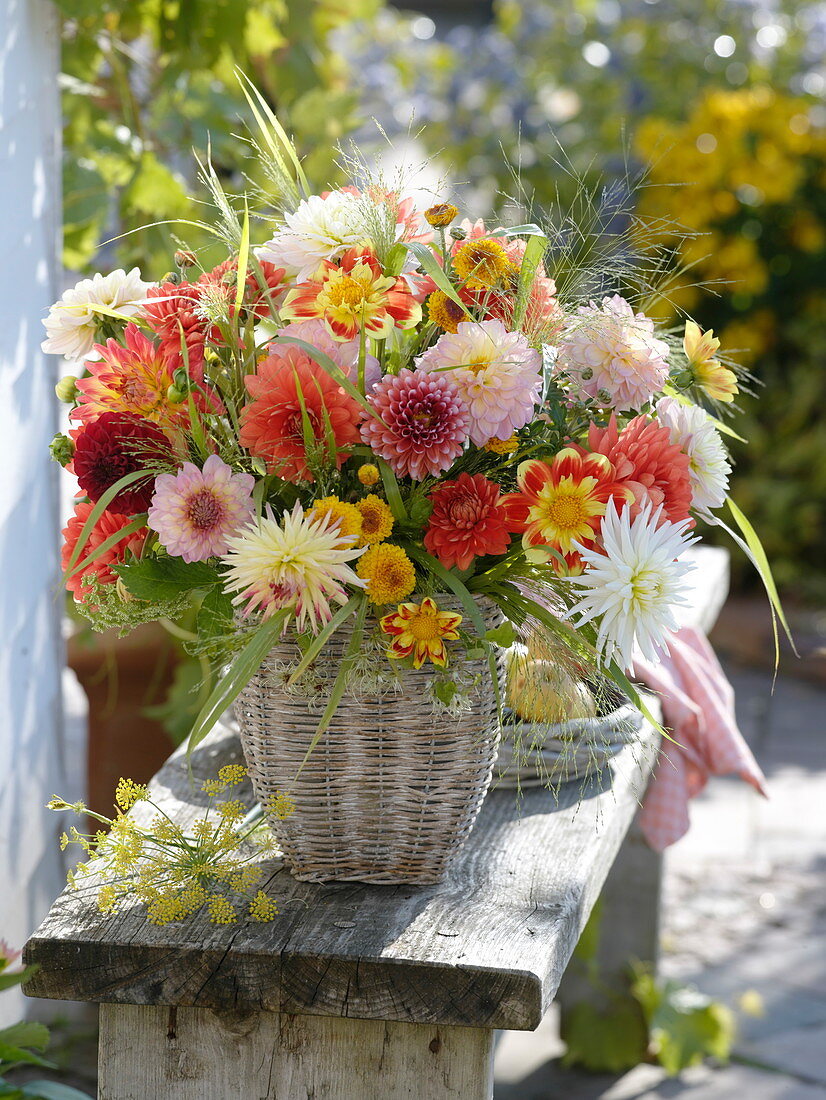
point(171, 311)
point(112, 446)
point(99, 569)
point(467, 521)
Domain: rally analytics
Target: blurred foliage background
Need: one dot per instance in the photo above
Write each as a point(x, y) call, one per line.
point(724, 99)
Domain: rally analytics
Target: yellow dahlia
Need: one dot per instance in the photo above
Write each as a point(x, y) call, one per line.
point(420, 630)
point(341, 515)
point(388, 571)
point(376, 520)
point(708, 373)
point(481, 263)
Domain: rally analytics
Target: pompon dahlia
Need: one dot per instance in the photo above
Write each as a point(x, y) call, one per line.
point(195, 511)
point(420, 631)
point(497, 374)
point(467, 521)
point(345, 517)
point(388, 571)
point(692, 430)
point(561, 505)
point(99, 569)
point(611, 355)
point(299, 562)
point(113, 446)
point(134, 377)
point(272, 424)
point(352, 294)
point(424, 423)
point(648, 463)
point(631, 586)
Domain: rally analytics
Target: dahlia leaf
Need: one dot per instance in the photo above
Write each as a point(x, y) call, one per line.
point(100, 507)
point(534, 251)
point(321, 640)
point(332, 368)
point(431, 267)
point(129, 529)
point(238, 675)
point(164, 578)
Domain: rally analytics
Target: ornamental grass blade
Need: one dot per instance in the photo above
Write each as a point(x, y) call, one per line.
point(391, 488)
point(431, 267)
point(279, 131)
point(100, 507)
point(243, 257)
point(534, 251)
point(237, 676)
point(323, 637)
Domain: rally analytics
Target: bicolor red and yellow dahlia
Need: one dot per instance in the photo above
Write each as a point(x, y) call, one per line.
point(420, 630)
point(561, 505)
point(352, 295)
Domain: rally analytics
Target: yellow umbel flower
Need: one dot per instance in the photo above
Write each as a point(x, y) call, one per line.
point(481, 263)
point(262, 908)
point(389, 573)
point(376, 520)
point(232, 774)
point(107, 899)
point(502, 446)
point(444, 312)
point(368, 474)
point(232, 811)
point(708, 373)
point(221, 911)
point(440, 215)
point(344, 516)
point(282, 804)
point(127, 793)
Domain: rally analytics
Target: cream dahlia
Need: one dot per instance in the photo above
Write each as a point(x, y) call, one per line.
point(611, 355)
point(195, 511)
point(72, 324)
point(692, 430)
point(631, 586)
point(300, 562)
point(497, 374)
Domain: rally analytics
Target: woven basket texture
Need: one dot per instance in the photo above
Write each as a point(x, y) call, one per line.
point(391, 791)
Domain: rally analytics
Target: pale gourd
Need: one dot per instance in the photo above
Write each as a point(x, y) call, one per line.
point(544, 691)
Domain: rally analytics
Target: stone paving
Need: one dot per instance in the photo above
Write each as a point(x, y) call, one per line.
point(744, 910)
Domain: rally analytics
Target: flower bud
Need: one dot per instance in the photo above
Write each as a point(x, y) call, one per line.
point(604, 397)
point(171, 277)
point(368, 474)
point(175, 396)
point(586, 374)
point(185, 258)
point(440, 215)
point(457, 233)
point(62, 449)
point(66, 389)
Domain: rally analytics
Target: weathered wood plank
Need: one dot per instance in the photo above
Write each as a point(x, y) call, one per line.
point(151, 1053)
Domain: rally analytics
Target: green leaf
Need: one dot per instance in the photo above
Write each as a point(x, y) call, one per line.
point(609, 1041)
point(52, 1090)
point(444, 690)
point(8, 979)
point(165, 578)
point(239, 674)
point(392, 491)
point(430, 265)
point(503, 635)
point(323, 637)
point(28, 1033)
point(16, 1055)
point(215, 614)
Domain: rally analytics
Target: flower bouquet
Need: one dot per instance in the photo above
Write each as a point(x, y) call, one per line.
point(366, 453)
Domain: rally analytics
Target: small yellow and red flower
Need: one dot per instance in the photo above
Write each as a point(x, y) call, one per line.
point(368, 474)
point(420, 631)
point(708, 373)
point(562, 503)
point(440, 215)
point(352, 294)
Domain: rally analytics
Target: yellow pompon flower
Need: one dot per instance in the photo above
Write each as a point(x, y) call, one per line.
point(262, 908)
point(232, 774)
point(444, 312)
point(440, 215)
point(376, 520)
point(346, 517)
point(368, 474)
point(127, 793)
point(502, 446)
point(282, 804)
point(715, 379)
point(420, 630)
point(221, 911)
point(388, 571)
point(481, 262)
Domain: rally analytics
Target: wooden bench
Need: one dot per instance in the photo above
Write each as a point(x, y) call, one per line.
point(359, 992)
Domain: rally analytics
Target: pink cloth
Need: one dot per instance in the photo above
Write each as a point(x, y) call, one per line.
point(698, 709)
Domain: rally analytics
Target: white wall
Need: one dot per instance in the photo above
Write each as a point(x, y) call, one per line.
point(31, 658)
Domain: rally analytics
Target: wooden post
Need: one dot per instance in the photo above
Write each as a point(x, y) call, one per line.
point(31, 656)
point(200, 1054)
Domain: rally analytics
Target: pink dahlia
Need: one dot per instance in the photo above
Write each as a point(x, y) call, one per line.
point(648, 463)
point(425, 423)
point(195, 512)
point(497, 374)
point(611, 355)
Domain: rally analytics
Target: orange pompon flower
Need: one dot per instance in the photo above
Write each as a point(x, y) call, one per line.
point(352, 294)
point(272, 423)
point(135, 379)
point(420, 630)
point(562, 503)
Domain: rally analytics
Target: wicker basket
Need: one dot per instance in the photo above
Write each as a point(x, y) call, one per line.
point(391, 792)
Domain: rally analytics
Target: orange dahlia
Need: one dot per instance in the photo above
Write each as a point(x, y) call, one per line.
point(467, 521)
point(420, 630)
point(98, 570)
point(272, 423)
point(647, 464)
point(352, 294)
point(562, 504)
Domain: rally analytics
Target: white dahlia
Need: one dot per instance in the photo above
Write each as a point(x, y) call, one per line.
point(299, 562)
point(497, 374)
point(692, 430)
point(72, 324)
point(632, 588)
point(611, 355)
point(319, 229)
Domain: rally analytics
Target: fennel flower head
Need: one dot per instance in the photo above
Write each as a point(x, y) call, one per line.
point(299, 562)
point(631, 588)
